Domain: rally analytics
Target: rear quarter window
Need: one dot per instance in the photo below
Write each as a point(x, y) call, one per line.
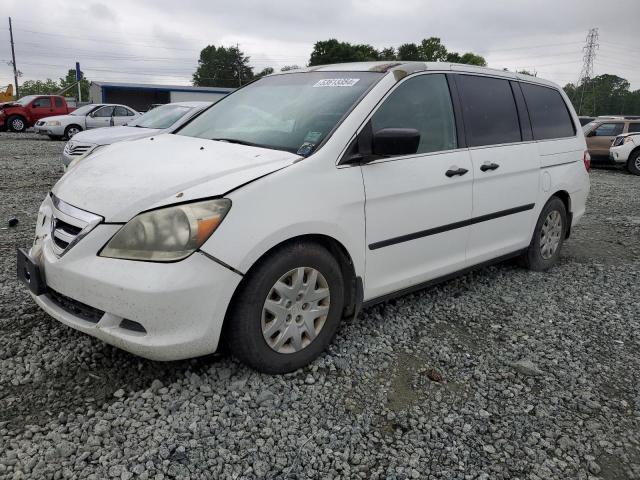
point(548, 113)
point(489, 110)
point(634, 127)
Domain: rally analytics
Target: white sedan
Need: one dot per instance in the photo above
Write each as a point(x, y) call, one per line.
point(163, 119)
point(84, 118)
point(625, 149)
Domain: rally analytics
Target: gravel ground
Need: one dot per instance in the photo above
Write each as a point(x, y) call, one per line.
point(502, 373)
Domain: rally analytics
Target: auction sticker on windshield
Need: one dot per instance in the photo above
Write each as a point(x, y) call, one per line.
point(336, 82)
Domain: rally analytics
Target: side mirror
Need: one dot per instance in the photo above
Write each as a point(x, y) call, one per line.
point(395, 141)
point(592, 133)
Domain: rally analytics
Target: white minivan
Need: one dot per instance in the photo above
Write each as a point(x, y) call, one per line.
point(302, 197)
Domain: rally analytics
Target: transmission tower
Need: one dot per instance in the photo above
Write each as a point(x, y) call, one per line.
point(587, 66)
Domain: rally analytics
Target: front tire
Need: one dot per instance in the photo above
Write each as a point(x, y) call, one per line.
point(17, 123)
point(633, 164)
point(287, 310)
point(72, 130)
point(548, 237)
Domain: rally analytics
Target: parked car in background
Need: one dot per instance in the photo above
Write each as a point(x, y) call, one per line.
point(24, 113)
point(625, 150)
point(603, 130)
point(162, 119)
point(295, 200)
point(585, 120)
point(84, 118)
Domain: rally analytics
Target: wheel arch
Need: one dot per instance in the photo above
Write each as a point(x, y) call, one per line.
point(353, 285)
point(20, 116)
point(566, 200)
point(73, 125)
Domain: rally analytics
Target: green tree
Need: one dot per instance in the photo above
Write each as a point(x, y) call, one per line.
point(39, 87)
point(408, 52)
point(432, 50)
point(333, 51)
point(265, 71)
point(70, 79)
point(222, 67)
point(604, 95)
point(287, 68)
point(473, 59)
point(388, 54)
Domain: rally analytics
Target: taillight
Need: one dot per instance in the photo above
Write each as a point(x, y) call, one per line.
point(586, 158)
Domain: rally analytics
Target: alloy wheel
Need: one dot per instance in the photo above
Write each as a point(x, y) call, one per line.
point(295, 310)
point(17, 125)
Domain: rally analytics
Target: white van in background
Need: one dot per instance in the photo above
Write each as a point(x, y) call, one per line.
point(301, 197)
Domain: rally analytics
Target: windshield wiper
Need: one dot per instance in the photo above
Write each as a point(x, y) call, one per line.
point(239, 142)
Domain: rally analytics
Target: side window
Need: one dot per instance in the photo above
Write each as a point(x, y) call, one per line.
point(634, 127)
point(549, 115)
point(58, 102)
point(608, 130)
point(121, 112)
point(489, 109)
point(423, 103)
point(103, 112)
point(42, 103)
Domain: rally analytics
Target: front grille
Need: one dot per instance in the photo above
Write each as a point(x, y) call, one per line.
point(68, 225)
point(74, 307)
point(76, 149)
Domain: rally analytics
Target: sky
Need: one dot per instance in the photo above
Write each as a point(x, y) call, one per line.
point(158, 41)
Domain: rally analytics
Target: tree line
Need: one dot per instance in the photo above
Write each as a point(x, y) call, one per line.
point(51, 87)
point(604, 95)
point(230, 67)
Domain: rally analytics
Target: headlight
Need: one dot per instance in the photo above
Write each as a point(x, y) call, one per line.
point(52, 123)
point(628, 139)
point(167, 234)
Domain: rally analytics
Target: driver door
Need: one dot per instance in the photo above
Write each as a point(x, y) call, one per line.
point(417, 205)
point(100, 117)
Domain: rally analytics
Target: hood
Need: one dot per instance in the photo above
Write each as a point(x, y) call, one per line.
point(109, 135)
point(123, 179)
point(64, 117)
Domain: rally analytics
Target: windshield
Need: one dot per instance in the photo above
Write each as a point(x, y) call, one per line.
point(161, 117)
point(292, 112)
point(25, 100)
point(588, 126)
point(83, 111)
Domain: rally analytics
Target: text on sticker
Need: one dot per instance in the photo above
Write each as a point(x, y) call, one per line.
point(336, 82)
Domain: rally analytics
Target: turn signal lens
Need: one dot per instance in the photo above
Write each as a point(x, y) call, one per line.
point(167, 234)
point(586, 158)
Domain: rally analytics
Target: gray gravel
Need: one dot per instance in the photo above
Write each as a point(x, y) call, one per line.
point(502, 373)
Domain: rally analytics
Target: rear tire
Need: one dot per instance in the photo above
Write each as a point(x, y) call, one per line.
point(275, 323)
point(16, 123)
point(548, 237)
point(633, 164)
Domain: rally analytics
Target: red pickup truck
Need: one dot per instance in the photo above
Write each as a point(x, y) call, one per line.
point(24, 113)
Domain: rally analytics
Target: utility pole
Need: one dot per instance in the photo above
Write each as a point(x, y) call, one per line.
point(238, 65)
point(587, 65)
point(13, 59)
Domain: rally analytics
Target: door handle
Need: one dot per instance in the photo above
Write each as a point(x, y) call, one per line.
point(460, 171)
point(489, 166)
